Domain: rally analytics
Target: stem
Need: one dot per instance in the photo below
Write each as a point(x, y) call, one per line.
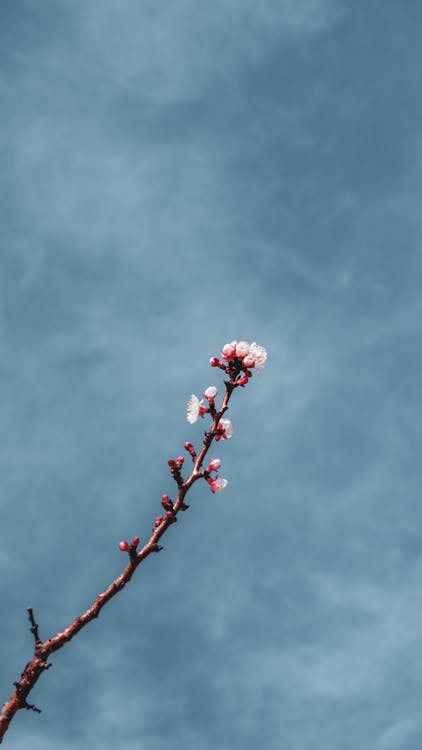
point(44, 649)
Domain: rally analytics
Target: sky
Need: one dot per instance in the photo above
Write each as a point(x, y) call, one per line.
point(175, 175)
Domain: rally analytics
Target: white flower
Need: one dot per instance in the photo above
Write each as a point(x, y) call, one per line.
point(259, 355)
point(242, 349)
point(194, 408)
point(228, 350)
point(217, 484)
point(211, 392)
point(227, 428)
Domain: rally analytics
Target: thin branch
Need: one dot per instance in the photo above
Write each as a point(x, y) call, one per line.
point(44, 649)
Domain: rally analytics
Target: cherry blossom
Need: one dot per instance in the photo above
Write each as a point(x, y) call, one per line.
point(259, 355)
point(211, 393)
point(195, 409)
point(228, 351)
point(225, 430)
point(213, 465)
point(217, 484)
point(242, 349)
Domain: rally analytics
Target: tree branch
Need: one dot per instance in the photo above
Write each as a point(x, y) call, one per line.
point(43, 649)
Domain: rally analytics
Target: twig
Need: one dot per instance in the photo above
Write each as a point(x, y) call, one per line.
point(43, 649)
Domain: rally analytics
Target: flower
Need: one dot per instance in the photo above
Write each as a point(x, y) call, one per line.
point(195, 409)
point(225, 430)
point(213, 465)
point(217, 484)
point(242, 349)
point(210, 393)
point(259, 356)
point(228, 350)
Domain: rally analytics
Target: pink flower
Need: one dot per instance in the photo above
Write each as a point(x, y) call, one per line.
point(217, 484)
point(213, 465)
point(195, 409)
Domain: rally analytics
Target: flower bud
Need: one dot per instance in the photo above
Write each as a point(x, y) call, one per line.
point(179, 462)
point(213, 465)
point(217, 484)
point(124, 546)
point(166, 502)
point(158, 520)
point(135, 541)
point(214, 362)
point(171, 463)
point(210, 393)
point(228, 351)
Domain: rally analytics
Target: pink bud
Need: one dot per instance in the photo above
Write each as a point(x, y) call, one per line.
point(169, 514)
point(243, 380)
point(213, 465)
point(171, 463)
point(158, 520)
point(135, 541)
point(217, 484)
point(179, 461)
point(214, 362)
point(210, 393)
point(189, 447)
point(228, 351)
point(124, 546)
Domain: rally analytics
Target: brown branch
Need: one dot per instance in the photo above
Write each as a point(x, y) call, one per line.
point(44, 649)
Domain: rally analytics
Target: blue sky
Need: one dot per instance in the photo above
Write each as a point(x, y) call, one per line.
point(174, 176)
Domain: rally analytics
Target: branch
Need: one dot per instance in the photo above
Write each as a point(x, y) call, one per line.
point(240, 358)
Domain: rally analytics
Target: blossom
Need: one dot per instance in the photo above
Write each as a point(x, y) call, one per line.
point(217, 484)
point(228, 350)
point(213, 465)
point(258, 354)
point(225, 430)
point(210, 393)
point(195, 409)
point(242, 349)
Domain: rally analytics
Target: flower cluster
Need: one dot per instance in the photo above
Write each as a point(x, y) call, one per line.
point(238, 360)
point(250, 355)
